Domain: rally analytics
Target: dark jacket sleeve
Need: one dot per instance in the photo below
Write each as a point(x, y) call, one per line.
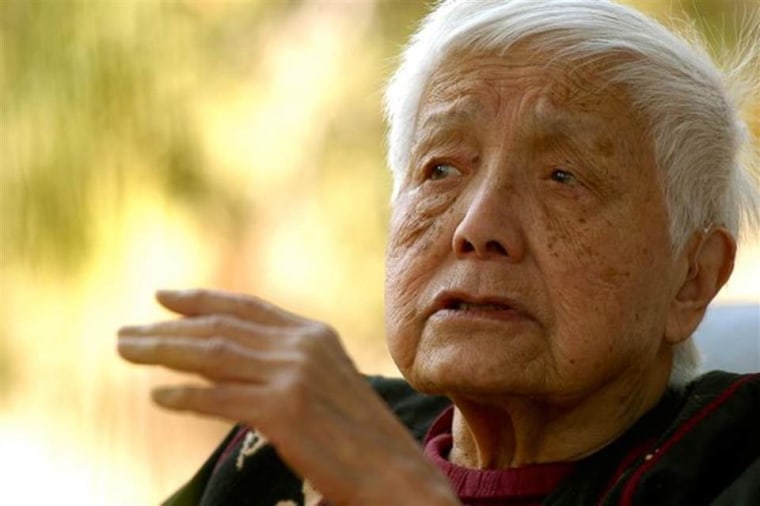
point(220, 482)
point(745, 490)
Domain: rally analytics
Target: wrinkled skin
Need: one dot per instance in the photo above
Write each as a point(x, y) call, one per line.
point(290, 378)
point(585, 259)
point(532, 188)
point(532, 198)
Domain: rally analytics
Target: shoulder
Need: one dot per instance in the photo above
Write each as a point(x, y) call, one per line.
point(709, 450)
point(723, 383)
point(700, 445)
point(715, 403)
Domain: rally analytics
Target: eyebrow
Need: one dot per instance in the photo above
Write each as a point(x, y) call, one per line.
point(446, 121)
point(452, 115)
point(448, 125)
point(544, 128)
point(582, 131)
point(586, 136)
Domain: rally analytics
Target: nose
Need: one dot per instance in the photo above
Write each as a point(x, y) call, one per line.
point(489, 229)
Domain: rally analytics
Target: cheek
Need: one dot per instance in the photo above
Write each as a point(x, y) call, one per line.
point(417, 244)
point(416, 221)
point(602, 281)
point(587, 251)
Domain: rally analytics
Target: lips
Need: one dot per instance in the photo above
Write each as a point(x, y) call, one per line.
point(466, 302)
point(461, 305)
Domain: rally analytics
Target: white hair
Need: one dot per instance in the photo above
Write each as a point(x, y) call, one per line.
point(701, 146)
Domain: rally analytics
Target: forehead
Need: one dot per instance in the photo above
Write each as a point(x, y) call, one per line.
point(552, 96)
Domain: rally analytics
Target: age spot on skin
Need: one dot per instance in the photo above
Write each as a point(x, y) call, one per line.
point(430, 236)
point(605, 147)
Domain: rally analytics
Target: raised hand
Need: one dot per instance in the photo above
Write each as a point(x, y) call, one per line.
point(290, 378)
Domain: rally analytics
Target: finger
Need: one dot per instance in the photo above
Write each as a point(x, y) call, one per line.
point(247, 307)
point(230, 401)
point(244, 332)
point(216, 359)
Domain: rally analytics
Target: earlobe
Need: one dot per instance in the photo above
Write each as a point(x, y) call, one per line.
point(710, 261)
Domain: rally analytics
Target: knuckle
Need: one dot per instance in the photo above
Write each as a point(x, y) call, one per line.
point(203, 297)
point(315, 337)
point(246, 302)
point(193, 397)
point(313, 332)
point(217, 347)
point(159, 347)
point(299, 340)
point(217, 354)
point(216, 323)
point(196, 294)
point(295, 389)
point(185, 394)
point(302, 375)
point(323, 331)
point(300, 368)
point(179, 397)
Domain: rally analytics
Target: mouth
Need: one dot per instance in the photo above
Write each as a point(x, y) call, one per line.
point(467, 304)
point(462, 305)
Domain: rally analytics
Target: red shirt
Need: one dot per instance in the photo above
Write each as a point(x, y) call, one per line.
point(523, 486)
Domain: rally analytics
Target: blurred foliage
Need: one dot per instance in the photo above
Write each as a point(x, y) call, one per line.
point(92, 92)
point(95, 93)
point(233, 143)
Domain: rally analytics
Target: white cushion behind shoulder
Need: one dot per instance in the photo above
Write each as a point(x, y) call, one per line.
point(729, 338)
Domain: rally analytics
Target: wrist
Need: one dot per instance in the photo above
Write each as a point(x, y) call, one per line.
point(410, 482)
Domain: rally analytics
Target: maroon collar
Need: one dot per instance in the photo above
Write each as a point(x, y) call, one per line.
point(527, 483)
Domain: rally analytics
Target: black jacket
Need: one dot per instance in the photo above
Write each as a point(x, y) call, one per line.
point(698, 446)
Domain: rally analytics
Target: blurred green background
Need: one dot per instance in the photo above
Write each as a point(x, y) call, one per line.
point(165, 144)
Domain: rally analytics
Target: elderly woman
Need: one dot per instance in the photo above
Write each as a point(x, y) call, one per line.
point(567, 197)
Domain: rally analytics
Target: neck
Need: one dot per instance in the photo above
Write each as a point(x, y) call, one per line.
point(513, 431)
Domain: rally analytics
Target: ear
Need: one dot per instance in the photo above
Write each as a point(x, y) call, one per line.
point(704, 267)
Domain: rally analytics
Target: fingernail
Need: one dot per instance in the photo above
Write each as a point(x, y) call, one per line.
point(164, 292)
point(127, 330)
point(175, 291)
point(165, 396)
point(135, 330)
point(129, 345)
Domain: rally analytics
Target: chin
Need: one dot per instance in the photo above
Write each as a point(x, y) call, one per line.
point(477, 376)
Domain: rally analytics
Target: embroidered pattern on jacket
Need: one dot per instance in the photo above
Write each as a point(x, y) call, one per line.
point(311, 497)
point(252, 443)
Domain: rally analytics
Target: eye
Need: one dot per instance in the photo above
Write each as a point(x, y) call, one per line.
point(443, 170)
point(563, 176)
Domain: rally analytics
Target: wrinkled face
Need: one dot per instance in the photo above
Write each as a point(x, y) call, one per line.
point(529, 250)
